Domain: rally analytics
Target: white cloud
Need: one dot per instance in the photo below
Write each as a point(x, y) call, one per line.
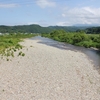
point(63, 15)
point(45, 3)
point(63, 23)
point(40, 22)
point(29, 23)
point(83, 15)
point(8, 5)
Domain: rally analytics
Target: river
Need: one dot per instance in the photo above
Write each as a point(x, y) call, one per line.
point(93, 55)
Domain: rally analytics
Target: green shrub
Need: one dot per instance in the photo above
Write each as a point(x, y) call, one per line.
point(75, 38)
point(23, 54)
point(20, 53)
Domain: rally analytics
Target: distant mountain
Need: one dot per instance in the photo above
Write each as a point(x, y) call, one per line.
point(38, 29)
point(24, 29)
point(69, 28)
point(86, 25)
point(93, 30)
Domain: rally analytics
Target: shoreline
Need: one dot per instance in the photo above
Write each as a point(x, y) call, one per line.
point(91, 53)
point(48, 73)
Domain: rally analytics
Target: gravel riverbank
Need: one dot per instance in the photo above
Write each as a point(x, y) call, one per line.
point(48, 73)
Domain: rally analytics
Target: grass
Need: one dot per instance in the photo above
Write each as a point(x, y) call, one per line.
point(10, 43)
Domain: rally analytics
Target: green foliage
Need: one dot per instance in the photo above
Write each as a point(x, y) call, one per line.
point(79, 37)
point(7, 59)
point(21, 53)
point(10, 43)
point(24, 29)
point(37, 29)
point(86, 44)
point(75, 38)
point(93, 30)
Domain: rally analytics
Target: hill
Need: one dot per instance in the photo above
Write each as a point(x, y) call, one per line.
point(37, 28)
point(93, 30)
point(24, 29)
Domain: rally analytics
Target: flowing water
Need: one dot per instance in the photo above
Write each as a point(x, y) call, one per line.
point(93, 55)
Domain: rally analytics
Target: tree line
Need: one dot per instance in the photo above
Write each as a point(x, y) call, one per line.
point(93, 30)
point(75, 38)
point(37, 29)
point(24, 29)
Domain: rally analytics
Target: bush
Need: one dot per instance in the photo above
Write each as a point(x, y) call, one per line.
point(75, 38)
point(78, 37)
point(23, 54)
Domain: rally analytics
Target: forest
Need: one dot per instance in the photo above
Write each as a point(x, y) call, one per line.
point(24, 29)
point(93, 30)
point(39, 29)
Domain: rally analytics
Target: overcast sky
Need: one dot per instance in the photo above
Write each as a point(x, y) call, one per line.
point(49, 12)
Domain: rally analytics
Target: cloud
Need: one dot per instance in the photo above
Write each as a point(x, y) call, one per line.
point(8, 5)
point(63, 23)
point(45, 3)
point(83, 15)
point(40, 22)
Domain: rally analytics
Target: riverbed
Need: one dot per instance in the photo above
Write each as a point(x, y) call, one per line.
point(92, 54)
point(50, 70)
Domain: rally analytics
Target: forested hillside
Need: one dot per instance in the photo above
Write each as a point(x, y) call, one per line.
point(69, 28)
point(93, 30)
point(24, 29)
point(37, 29)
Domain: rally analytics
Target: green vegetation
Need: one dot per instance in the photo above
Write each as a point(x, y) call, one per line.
point(93, 30)
point(38, 29)
point(10, 43)
point(75, 38)
point(69, 28)
point(24, 29)
point(21, 53)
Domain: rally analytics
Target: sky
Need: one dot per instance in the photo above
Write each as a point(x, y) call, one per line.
point(49, 12)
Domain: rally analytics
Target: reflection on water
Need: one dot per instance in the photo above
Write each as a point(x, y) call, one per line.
point(94, 55)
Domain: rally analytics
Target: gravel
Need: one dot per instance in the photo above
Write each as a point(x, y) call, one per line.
point(48, 73)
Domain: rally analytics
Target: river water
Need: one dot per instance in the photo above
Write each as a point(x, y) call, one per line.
point(92, 54)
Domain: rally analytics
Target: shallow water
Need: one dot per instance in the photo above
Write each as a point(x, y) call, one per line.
point(93, 55)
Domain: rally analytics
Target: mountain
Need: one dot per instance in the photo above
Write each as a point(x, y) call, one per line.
point(34, 28)
point(93, 30)
point(24, 29)
point(86, 25)
point(68, 28)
